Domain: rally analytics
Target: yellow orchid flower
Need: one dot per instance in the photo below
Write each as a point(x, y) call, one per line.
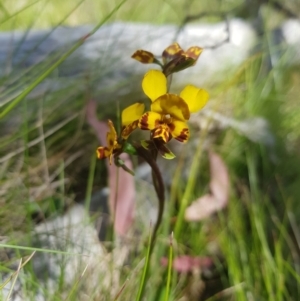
point(112, 144)
point(169, 112)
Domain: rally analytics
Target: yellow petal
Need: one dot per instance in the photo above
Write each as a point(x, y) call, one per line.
point(154, 84)
point(195, 98)
point(111, 136)
point(173, 105)
point(149, 121)
point(180, 131)
point(132, 113)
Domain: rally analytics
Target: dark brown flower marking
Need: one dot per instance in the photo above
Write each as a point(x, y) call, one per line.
point(101, 152)
point(162, 132)
point(184, 135)
point(127, 130)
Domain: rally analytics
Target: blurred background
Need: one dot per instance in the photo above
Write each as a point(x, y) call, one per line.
point(250, 66)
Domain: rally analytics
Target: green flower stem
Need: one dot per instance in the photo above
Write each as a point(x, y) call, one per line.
point(159, 187)
point(158, 184)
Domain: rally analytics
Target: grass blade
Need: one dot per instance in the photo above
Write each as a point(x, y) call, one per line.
point(38, 250)
point(15, 274)
point(146, 268)
point(57, 63)
point(170, 263)
point(8, 17)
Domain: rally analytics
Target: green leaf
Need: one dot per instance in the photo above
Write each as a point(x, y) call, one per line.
point(129, 148)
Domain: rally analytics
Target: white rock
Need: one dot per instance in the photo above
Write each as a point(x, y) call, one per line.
point(87, 261)
point(291, 34)
point(110, 48)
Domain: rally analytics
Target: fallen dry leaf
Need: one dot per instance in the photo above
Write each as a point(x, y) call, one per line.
point(122, 195)
point(217, 199)
point(121, 183)
point(185, 263)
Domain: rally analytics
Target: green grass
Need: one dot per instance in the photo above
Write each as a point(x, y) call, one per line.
point(47, 162)
point(17, 14)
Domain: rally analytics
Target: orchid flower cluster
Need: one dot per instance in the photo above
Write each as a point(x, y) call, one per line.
point(168, 114)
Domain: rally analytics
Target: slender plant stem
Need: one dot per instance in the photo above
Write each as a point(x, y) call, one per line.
point(158, 183)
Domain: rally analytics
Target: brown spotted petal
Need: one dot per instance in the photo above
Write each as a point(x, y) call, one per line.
point(128, 129)
point(182, 60)
point(149, 121)
point(179, 130)
point(171, 52)
point(194, 52)
point(162, 132)
point(102, 152)
point(143, 56)
point(112, 144)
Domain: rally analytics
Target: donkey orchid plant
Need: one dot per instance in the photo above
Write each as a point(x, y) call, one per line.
point(166, 119)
